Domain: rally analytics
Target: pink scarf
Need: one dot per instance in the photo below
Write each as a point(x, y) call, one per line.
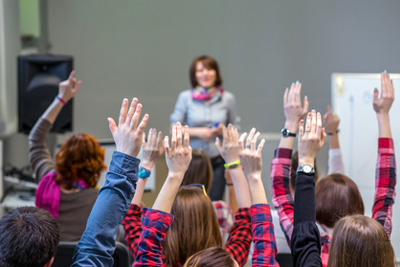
point(200, 93)
point(48, 193)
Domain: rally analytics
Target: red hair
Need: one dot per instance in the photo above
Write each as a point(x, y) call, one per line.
point(80, 157)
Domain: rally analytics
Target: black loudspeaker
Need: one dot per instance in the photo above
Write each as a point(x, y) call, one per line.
point(38, 79)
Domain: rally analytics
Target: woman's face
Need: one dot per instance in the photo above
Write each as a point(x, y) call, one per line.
point(205, 77)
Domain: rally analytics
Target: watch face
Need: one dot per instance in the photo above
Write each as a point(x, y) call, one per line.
point(284, 132)
point(307, 168)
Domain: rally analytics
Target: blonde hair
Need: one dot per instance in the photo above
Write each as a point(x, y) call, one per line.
point(195, 226)
point(360, 241)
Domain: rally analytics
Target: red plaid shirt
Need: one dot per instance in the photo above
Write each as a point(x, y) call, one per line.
point(384, 191)
point(263, 236)
point(237, 245)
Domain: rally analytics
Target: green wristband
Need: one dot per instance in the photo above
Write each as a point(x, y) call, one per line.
point(232, 164)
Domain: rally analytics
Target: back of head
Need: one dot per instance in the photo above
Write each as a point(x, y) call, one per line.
point(28, 237)
point(195, 226)
point(337, 196)
point(200, 170)
point(210, 257)
point(360, 241)
point(80, 157)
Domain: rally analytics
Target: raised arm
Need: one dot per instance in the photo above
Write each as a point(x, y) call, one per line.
point(151, 151)
point(97, 243)
point(306, 244)
point(385, 181)
point(280, 167)
point(156, 221)
point(335, 161)
point(39, 154)
point(261, 221)
point(229, 151)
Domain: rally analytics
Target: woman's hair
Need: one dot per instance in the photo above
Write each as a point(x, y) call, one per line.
point(200, 170)
point(337, 196)
point(293, 170)
point(80, 157)
point(209, 63)
point(360, 241)
point(195, 226)
point(210, 257)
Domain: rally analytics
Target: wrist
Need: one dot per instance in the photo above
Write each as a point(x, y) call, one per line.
point(306, 160)
point(176, 176)
point(384, 117)
point(291, 126)
point(254, 177)
point(148, 165)
point(61, 99)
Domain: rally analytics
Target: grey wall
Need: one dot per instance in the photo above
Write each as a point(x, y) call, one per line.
point(143, 48)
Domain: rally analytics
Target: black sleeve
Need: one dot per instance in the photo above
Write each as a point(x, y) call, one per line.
point(306, 243)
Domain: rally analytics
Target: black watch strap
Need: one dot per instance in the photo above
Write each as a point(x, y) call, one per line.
point(286, 133)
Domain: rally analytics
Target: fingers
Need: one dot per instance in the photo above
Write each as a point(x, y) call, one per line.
point(111, 124)
point(376, 95)
point(254, 141)
point(132, 121)
point(323, 137)
point(260, 147)
point(297, 92)
point(225, 135)
point(301, 128)
point(122, 112)
point(178, 134)
point(151, 137)
point(291, 93)
point(166, 145)
point(308, 123)
point(159, 141)
point(186, 138)
point(143, 124)
point(173, 137)
point(78, 86)
point(250, 137)
point(313, 121)
point(328, 107)
point(319, 124)
point(71, 76)
point(285, 96)
point(241, 140)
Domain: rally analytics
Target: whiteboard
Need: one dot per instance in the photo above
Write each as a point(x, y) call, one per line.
point(352, 96)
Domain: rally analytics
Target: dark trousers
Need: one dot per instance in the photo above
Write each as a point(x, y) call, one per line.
point(218, 182)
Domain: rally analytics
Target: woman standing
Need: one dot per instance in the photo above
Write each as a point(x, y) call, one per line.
point(206, 108)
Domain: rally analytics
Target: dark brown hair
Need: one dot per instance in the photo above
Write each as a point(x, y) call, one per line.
point(209, 63)
point(200, 170)
point(210, 257)
point(28, 237)
point(359, 241)
point(80, 157)
point(293, 170)
point(195, 226)
point(337, 196)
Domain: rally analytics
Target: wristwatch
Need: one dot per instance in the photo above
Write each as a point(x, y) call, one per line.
point(306, 168)
point(286, 133)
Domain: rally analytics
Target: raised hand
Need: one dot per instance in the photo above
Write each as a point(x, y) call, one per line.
point(67, 89)
point(292, 107)
point(331, 121)
point(311, 138)
point(128, 135)
point(229, 150)
point(383, 103)
point(179, 155)
point(152, 149)
point(251, 156)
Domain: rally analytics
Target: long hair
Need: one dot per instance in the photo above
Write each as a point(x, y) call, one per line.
point(360, 241)
point(200, 170)
point(336, 196)
point(80, 157)
point(195, 226)
point(210, 257)
point(209, 63)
